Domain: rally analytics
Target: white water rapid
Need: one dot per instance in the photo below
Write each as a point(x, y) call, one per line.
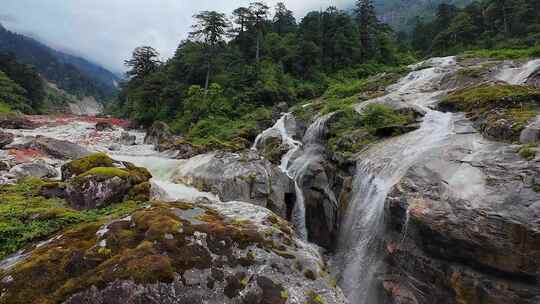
point(520, 74)
point(160, 165)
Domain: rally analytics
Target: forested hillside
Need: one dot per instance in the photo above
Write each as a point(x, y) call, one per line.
point(225, 78)
point(74, 75)
point(488, 24)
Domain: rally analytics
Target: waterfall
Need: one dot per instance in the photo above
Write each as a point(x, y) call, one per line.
point(304, 153)
point(519, 75)
point(359, 252)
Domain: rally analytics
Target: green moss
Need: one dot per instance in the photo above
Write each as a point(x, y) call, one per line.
point(152, 246)
point(314, 298)
point(4, 107)
point(87, 163)
point(528, 152)
point(485, 96)
point(27, 217)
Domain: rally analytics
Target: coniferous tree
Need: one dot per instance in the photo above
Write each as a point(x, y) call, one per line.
point(367, 23)
point(259, 15)
point(210, 28)
point(284, 21)
point(143, 62)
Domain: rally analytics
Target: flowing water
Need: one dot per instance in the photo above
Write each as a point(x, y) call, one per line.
point(160, 165)
point(520, 74)
point(358, 255)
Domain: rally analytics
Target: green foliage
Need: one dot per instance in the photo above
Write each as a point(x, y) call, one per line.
point(528, 152)
point(4, 108)
point(27, 217)
point(13, 95)
point(264, 63)
point(491, 29)
point(375, 116)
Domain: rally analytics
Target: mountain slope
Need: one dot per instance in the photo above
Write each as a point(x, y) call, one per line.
point(400, 13)
point(75, 75)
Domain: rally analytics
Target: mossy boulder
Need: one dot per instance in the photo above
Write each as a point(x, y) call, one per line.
point(82, 165)
point(499, 111)
point(173, 253)
point(100, 181)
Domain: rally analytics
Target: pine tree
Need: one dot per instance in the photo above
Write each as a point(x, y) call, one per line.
point(367, 24)
point(143, 62)
point(210, 28)
point(284, 21)
point(259, 15)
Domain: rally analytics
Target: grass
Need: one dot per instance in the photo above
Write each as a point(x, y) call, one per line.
point(503, 54)
point(486, 95)
point(27, 217)
point(4, 107)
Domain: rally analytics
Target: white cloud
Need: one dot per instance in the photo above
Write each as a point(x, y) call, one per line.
point(106, 31)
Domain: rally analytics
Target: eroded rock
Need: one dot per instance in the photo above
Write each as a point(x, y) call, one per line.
point(36, 169)
point(5, 139)
point(175, 253)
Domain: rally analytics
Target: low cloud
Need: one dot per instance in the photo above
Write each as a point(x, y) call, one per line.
point(106, 31)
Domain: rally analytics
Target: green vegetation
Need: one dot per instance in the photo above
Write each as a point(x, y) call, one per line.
point(27, 217)
point(350, 132)
point(220, 92)
point(489, 28)
point(4, 108)
point(528, 152)
point(502, 111)
point(82, 165)
point(484, 97)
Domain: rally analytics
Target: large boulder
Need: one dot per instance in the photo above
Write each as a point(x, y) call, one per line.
point(175, 253)
point(463, 228)
point(236, 177)
point(531, 133)
point(6, 139)
point(11, 121)
point(104, 182)
point(36, 169)
point(127, 139)
point(104, 126)
point(158, 133)
point(54, 148)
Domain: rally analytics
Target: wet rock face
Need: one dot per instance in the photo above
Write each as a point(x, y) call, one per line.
point(35, 169)
point(127, 140)
point(97, 181)
point(16, 122)
point(158, 134)
point(175, 253)
point(6, 139)
point(104, 126)
point(239, 177)
point(59, 149)
point(465, 229)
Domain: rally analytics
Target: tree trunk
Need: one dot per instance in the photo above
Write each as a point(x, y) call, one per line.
point(258, 53)
point(207, 82)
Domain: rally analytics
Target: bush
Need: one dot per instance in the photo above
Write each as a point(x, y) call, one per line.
point(377, 116)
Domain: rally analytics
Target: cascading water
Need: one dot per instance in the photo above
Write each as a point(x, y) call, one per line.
point(304, 153)
point(358, 253)
point(519, 75)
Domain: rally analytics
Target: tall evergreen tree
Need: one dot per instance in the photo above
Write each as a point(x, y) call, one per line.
point(143, 62)
point(259, 15)
point(284, 21)
point(210, 28)
point(367, 24)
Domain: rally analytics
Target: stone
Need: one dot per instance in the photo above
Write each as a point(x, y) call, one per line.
point(175, 253)
point(54, 148)
point(36, 169)
point(531, 133)
point(104, 126)
point(127, 139)
point(115, 147)
point(10, 121)
point(235, 177)
point(6, 139)
point(158, 133)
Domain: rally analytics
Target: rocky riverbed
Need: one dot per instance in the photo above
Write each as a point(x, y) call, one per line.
point(440, 206)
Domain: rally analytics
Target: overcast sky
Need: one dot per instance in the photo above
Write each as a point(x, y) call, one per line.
point(106, 31)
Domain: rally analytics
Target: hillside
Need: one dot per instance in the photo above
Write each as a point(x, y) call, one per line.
point(400, 14)
point(75, 75)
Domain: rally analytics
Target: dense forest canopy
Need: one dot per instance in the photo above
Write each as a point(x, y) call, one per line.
point(230, 71)
point(482, 24)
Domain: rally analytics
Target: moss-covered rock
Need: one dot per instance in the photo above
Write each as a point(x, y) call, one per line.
point(171, 251)
point(499, 111)
point(82, 165)
point(96, 186)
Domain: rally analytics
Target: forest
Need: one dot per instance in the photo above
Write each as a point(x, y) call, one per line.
point(224, 79)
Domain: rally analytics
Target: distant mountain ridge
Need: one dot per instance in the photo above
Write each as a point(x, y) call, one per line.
point(72, 74)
